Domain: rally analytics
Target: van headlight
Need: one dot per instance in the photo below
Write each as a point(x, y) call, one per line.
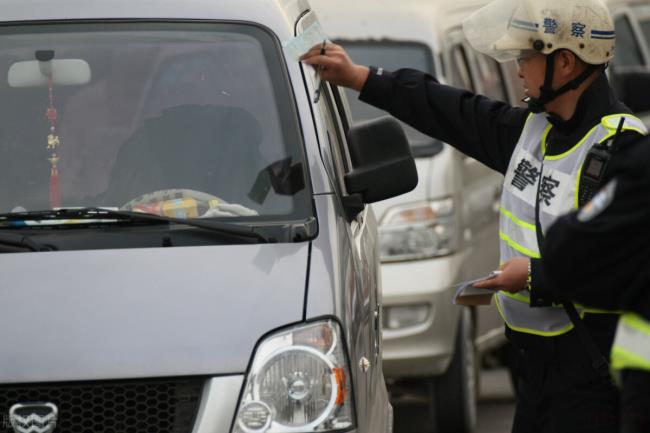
point(299, 381)
point(418, 231)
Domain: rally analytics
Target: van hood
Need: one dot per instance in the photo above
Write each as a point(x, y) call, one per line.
point(109, 314)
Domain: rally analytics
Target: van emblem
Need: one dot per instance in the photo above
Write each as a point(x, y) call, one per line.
point(33, 417)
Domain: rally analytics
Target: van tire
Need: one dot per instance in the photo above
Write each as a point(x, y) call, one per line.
point(457, 389)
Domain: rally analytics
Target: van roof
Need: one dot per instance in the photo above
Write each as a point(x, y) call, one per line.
point(613, 4)
point(278, 15)
point(414, 20)
point(390, 21)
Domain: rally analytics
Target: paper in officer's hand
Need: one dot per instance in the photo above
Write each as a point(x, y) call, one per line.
point(296, 47)
point(467, 294)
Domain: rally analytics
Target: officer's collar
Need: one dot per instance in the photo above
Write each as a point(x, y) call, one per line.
point(592, 105)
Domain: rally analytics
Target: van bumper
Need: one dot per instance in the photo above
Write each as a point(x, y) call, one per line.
point(221, 396)
point(422, 349)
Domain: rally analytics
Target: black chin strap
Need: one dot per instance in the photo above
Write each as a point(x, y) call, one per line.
point(546, 92)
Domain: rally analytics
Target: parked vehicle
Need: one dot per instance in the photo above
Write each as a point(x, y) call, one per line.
point(445, 231)
point(185, 236)
point(630, 68)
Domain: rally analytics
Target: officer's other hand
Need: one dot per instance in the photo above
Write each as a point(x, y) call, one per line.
point(336, 66)
point(513, 277)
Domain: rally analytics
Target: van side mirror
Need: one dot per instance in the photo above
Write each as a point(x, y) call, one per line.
point(383, 166)
point(633, 88)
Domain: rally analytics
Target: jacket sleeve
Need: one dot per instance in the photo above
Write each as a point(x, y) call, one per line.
point(600, 255)
point(479, 127)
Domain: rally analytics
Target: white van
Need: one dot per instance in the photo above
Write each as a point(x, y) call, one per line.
point(443, 232)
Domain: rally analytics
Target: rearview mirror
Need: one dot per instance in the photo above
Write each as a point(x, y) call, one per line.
point(632, 86)
point(34, 73)
point(382, 161)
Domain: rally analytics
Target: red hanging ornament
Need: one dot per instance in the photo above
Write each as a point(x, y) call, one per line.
point(52, 143)
point(55, 193)
point(51, 114)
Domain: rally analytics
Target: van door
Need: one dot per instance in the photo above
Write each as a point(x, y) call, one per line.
point(629, 50)
point(632, 44)
point(480, 186)
point(642, 14)
point(360, 252)
point(362, 235)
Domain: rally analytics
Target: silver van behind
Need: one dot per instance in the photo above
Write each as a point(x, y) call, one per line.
point(185, 239)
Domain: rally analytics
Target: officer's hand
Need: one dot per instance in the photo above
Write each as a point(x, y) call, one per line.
point(513, 277)
point(336, 66)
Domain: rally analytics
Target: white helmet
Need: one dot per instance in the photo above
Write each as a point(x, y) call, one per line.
point(505, 28)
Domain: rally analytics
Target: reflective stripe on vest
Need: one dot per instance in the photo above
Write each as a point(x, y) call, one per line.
point(558, 191)
point(548, 321)
point(632, 343)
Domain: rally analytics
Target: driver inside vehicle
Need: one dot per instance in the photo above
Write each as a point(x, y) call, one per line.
point(188, 147)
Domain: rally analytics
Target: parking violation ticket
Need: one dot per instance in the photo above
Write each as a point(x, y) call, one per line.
point(467, 294)
point(296, 47)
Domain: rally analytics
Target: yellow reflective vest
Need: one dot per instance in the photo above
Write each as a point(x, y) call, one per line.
point(631, 348)
point(558, 194)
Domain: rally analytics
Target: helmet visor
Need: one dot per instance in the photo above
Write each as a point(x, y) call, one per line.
point(502, 29)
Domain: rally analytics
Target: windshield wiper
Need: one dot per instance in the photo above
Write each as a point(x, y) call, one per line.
point(22, 241)
point(92, 214)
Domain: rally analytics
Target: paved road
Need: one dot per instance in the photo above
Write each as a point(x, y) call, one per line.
point(496, 405)
point(495, 409)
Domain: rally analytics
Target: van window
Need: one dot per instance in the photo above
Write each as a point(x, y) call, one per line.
point(460, 74)
point(491, 78)
point(645, 28)
point(627, 49)
point(391, 56)
point(168, 107)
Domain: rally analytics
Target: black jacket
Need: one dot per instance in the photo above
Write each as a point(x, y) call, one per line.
point(604, 261)
point(485, 129)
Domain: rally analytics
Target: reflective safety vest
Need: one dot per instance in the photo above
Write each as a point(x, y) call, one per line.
point(558, 194)
point(631, 348)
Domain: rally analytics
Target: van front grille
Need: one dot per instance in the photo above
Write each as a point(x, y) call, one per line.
point(155, 406)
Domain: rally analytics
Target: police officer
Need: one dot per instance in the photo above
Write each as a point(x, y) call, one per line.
point(562, 48)
point(600, 256)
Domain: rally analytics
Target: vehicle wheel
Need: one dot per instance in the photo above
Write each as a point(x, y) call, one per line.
point(456, 390)
point(413, 405)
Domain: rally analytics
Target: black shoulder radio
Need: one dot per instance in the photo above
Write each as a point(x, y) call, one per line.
point(595, 167)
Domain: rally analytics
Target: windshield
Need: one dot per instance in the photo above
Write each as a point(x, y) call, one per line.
point(391, 56)
point(183, 120)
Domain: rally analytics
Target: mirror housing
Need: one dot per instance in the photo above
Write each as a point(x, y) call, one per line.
point(34, 73)
point(632, 85)
point(383, 166)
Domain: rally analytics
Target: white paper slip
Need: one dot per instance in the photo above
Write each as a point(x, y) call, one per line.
point(296, 47)
point(467, 294)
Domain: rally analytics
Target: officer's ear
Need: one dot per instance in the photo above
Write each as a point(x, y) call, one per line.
point(568, 65)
